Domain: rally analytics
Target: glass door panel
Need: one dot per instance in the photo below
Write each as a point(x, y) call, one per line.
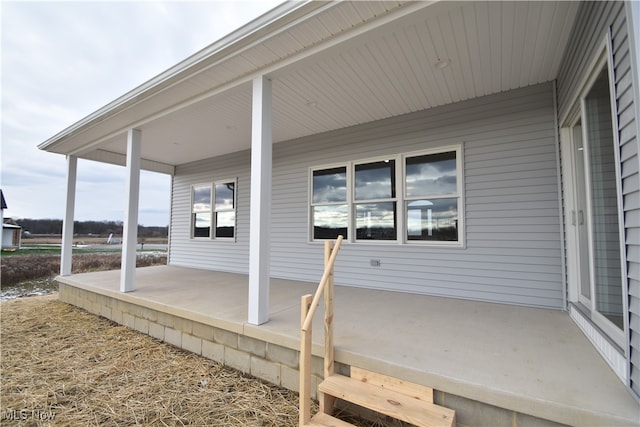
point(579, 217)
point(604, 217)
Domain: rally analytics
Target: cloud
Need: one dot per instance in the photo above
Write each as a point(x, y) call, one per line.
point(63, 60)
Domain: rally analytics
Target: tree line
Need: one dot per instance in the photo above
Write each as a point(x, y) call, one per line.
point(96, 228)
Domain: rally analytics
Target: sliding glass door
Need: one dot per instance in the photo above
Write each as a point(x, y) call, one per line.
point(597, 277)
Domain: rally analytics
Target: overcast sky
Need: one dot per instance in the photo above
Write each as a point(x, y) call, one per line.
point(62, 61)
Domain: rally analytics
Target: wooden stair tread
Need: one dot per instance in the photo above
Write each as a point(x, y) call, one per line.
point(388, 402)
point(325, 420)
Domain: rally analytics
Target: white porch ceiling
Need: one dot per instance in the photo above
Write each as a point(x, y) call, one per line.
point(343, 64)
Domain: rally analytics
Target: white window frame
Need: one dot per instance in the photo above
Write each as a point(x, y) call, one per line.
point(213, 211)
point(400, 198)
point(457, 148)
point(353, 202)
point(312, 204)
point(193, 212)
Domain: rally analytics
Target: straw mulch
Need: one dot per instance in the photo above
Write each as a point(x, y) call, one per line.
point(89, 371)
point(58, 360)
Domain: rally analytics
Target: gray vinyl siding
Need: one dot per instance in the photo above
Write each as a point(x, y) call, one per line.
point(512, 252)
point(512, 233)
point(592, 24)
point(214, 254)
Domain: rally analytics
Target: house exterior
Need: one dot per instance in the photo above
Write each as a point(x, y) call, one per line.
point(10, 234)
point(481, 151)
point(3, 206)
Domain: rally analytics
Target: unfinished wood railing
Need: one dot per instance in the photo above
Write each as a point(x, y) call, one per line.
point(309, 306)
point(390, 396)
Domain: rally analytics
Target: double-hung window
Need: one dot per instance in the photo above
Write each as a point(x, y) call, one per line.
point(213, 210)
point(407, 198)
point(329, 203)
point(431, 197)
point(225, 209)
point(375, 200)
point(201, 211)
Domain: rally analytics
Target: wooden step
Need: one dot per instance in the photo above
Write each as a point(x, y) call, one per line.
point(325, 420)
point(416, 391)
point(388, 402)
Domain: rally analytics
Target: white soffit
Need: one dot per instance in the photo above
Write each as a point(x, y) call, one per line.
point(387, 71)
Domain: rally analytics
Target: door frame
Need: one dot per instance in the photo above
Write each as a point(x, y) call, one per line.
point(608, 330)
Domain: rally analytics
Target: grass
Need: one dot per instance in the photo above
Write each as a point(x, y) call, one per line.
point(20, 271)
point(56, 250)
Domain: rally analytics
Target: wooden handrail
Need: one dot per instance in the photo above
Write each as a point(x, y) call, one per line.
point(325, 276)
point(308, 306)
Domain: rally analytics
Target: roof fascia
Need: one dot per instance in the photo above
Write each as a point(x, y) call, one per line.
point(118, 159)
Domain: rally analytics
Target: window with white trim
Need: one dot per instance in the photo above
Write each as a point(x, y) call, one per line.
point(431, 197)
point(408, 198)
point(375, 200)
point(201, 211)
point(213, 210)
point(225, 209)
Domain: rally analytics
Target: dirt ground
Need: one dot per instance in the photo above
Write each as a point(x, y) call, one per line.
point(62, 366)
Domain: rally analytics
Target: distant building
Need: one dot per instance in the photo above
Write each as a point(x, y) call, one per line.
point(11, 235)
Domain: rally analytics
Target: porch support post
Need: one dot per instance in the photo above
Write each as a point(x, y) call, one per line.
point(67, 224)
point(130, 228)
point(260, 221)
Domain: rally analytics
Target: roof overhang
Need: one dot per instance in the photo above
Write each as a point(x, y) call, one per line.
point(333, 65)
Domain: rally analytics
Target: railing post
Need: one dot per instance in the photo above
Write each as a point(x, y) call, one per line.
point(305, 363)
point(328, 314)
point(326, 401)
point(308, 305)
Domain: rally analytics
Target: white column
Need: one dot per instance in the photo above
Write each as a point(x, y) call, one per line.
point(260, 221)
point(130, 228)
point(67, 224)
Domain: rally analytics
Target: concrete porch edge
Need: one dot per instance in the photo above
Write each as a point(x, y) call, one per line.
point(283, 332)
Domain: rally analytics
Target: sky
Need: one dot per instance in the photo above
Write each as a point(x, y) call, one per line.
point(61, 61)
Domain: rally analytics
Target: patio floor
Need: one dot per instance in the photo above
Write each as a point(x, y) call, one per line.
point(528, 360)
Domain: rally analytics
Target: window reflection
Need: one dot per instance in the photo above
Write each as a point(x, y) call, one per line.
point(201, 224)
point(376, 180)
point(367, 196)
point(330, 221)
point(201, 199)
point(435, 219)
point(224, 195)
point(330, 185)
point(225, 214)
point(432, 174)
point(225, 224)
point(376, 221)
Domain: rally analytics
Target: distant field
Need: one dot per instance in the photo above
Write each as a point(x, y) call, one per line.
point(84, 240)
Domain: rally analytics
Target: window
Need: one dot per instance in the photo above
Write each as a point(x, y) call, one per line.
point(201, 210)
point(225, 209)
point(431, 197)
point(330, 210)
point(409, 198)
point(375, 200)
point(217, 219)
